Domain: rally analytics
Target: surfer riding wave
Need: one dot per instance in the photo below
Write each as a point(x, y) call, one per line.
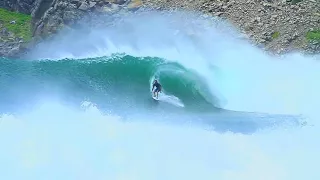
point(156, 88)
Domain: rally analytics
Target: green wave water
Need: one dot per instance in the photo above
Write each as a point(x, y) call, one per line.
point(119, 80)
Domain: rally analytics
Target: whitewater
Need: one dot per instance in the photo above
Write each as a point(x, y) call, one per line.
point(79, 105)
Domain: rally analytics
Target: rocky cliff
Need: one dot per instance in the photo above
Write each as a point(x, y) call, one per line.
point(23, 6)
point(276, 25)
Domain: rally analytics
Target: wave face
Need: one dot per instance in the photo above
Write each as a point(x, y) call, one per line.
point(79, 105)
point(119, 80)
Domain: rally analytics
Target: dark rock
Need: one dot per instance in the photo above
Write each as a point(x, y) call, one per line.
point(38, 29)
point(4, 32)
point(218, 13)
point(70, 17)
point(22, 6)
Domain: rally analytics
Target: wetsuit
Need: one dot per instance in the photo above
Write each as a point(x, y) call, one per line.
point(158, 87)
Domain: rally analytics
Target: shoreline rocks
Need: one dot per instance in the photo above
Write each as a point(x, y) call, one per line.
point(278, 26)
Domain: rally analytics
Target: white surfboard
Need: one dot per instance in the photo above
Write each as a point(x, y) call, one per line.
point(155, 98)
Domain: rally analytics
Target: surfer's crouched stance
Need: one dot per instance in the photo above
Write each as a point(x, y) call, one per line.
point(157, 88)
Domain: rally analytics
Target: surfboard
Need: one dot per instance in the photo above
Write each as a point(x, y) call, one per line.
point(155, 98)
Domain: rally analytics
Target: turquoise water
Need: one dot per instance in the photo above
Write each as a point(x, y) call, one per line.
point(116, 80)
point(118, 84)
point(79, 106)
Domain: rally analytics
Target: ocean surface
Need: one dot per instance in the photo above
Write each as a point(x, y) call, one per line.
point(79, 105)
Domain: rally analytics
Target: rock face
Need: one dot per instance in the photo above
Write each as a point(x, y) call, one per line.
point(50, 16)
point(68, 13)
point(9, 44)
point(23, 6)
point(276, 25)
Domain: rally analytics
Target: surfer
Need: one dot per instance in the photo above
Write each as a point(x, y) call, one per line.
point(157, 88)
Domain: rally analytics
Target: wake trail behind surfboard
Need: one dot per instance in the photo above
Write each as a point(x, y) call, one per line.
point(168, 99)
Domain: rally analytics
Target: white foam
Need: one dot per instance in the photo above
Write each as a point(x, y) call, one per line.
point(59, 142)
